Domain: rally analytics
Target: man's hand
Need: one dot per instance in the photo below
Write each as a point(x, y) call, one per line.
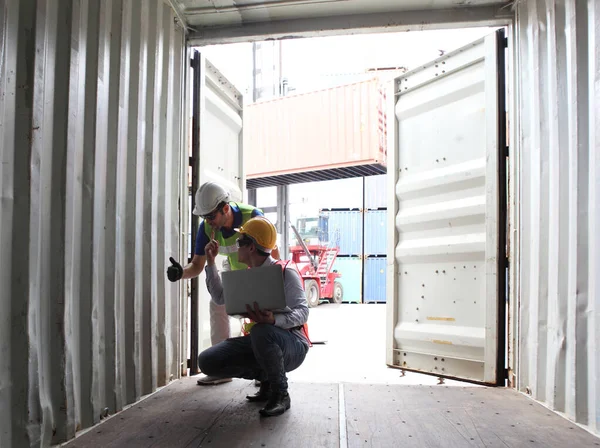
point(260, 316)
point(174, 272)
point(211, 250)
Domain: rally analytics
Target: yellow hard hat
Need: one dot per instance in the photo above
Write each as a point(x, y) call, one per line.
point(262, 231)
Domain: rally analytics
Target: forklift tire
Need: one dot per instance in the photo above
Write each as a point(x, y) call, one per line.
point(338, 293)
point(312, 293)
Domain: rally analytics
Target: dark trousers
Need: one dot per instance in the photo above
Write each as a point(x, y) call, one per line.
point(266, 355)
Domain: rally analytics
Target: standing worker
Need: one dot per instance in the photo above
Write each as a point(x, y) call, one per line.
point(220, 218)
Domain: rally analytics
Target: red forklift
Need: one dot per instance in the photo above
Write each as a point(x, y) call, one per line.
point(315, 256)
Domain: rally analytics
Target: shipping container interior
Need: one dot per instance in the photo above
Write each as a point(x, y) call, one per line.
point(453, 322)
point(351, 212)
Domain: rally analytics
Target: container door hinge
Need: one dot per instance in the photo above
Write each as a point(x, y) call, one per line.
point(506, 42)
point(507, 151)
point(189, 363)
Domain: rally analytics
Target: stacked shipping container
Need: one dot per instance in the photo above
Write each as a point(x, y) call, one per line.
point(324, 135)
point(375, 237)
point(375, 255)
point(345, 228)
point(361, 236)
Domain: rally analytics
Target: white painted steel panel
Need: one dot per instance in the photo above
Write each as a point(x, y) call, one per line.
point(221, 152)
point(208, 14)
point(442, 246)
point(90, 132)
point(556, 277)
point(229, 21)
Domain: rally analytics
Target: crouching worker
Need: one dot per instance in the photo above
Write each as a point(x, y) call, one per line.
point(277, 343)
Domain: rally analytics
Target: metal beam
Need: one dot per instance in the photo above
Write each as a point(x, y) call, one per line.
point(252, 196)
point(179, 14)
point(198, 76)
point(282, 219)
point(354, 24)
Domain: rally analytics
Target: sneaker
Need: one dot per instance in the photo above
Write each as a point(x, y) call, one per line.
point(212, 381)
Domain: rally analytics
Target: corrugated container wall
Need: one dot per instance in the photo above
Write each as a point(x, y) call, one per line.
point(375, 281)
point(351, 269)
point(345, 228)
point(90, 138)
point(333, 128)
point(375, 232)
point(376, 191)
point(558, 83)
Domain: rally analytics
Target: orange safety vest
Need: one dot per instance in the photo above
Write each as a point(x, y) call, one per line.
point(283, 265)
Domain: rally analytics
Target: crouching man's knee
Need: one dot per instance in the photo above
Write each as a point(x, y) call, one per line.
point(262, 330)
point(205, 363)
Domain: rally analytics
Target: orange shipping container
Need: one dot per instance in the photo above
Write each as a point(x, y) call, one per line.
point(327, 134)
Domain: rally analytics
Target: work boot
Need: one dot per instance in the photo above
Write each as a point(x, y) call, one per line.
point(277, 404)
point(263, 393)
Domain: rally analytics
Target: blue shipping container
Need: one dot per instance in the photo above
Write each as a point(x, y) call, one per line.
point(351, 279)
point(375, 279)
point(376, 232)
point(346, 227)
point(376, 191)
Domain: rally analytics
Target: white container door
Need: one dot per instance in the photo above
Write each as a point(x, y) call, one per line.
point(446, 230)
point(221, 152)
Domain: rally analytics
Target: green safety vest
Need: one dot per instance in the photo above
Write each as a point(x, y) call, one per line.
point(227, 246)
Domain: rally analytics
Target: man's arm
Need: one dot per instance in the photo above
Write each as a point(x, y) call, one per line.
point(195, 268)
point(295, 299)
point(213, 279)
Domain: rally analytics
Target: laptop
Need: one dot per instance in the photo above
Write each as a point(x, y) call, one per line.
point(263, 285)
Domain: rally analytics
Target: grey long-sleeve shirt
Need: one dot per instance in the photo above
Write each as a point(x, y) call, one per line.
point(293, 315)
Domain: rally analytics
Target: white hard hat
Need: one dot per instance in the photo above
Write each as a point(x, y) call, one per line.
point(208, 198)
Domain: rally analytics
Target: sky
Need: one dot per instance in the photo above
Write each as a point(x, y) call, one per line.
point(312, 63)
